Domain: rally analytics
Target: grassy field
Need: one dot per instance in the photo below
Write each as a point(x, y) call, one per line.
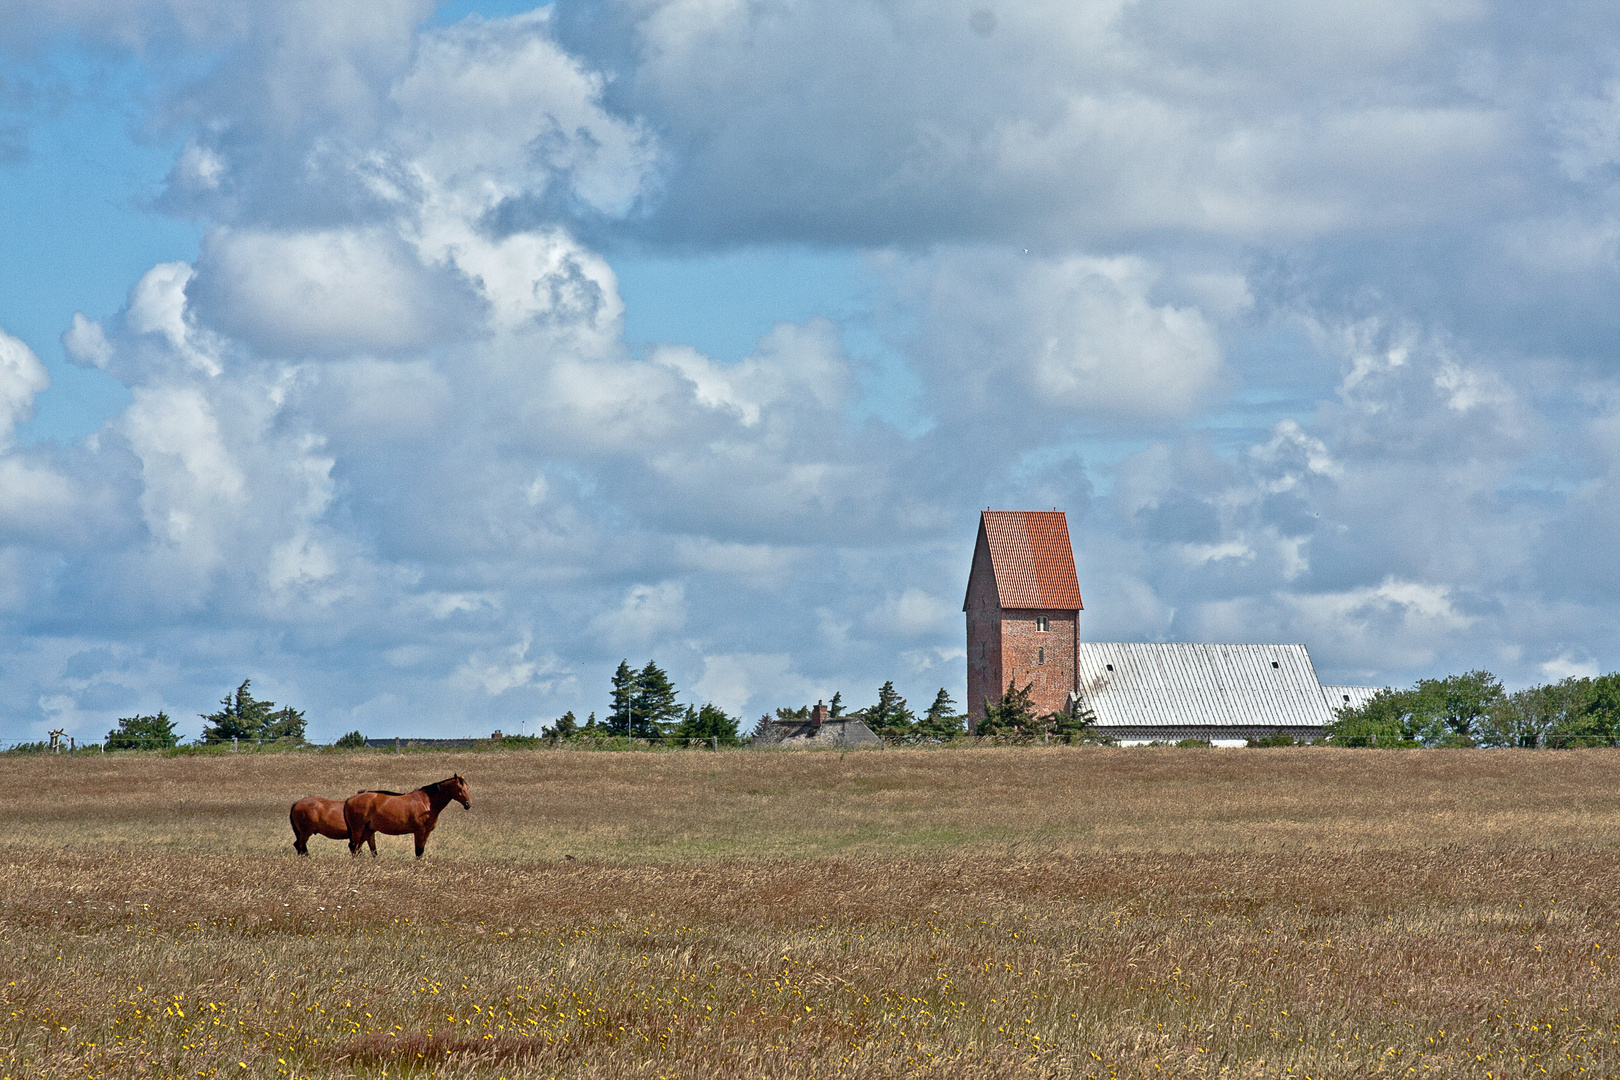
point(968, 912)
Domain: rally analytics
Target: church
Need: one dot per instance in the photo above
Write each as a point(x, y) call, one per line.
point(1023, 627)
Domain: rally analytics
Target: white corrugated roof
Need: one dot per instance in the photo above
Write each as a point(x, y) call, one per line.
point(1354, 696)
point(1180, 685)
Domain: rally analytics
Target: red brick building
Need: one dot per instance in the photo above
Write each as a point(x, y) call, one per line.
point(1023, 610)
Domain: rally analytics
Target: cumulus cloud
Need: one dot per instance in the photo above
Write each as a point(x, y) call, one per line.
point(1303, 314)
point(647, 613)
point(22, 377)
point(1077, 336)
point(332, 292)
point(1082, 120)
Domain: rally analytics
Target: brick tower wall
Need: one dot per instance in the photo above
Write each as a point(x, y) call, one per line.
point(1045, 659)
point(983, 637)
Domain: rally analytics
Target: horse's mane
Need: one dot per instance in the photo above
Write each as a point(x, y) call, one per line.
point(438, 783)
point(379, 791)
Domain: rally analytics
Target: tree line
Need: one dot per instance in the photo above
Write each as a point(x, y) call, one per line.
point(1473, 709)
point(642, 705)
point(241, 717)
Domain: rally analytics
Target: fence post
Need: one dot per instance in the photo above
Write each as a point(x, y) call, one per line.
point(397, 750)
point(233, 744)
point(714, 742)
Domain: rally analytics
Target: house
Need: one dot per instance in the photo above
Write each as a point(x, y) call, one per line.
point(1023, 610)
point(819, 729)
point(1023, 626)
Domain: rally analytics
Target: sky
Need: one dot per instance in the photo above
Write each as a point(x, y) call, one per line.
point(421, 362)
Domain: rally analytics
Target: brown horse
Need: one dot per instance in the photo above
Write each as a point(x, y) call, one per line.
point(371, 812)
point(313, 814)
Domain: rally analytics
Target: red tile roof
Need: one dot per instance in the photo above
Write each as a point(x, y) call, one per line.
point(1032, 559)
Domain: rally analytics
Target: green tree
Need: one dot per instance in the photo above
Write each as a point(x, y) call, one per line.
point(1387, 720)
point(352, 741)
point(1074, 727)
point(783, 712)
point(143, 733)
point(592, 728)
point(1460, 704)
point(890, 719)
point(709, 722)
point(1597, 721)
point(285, 723)
point(941, 721)
point(1535, 714)
point(564, 727)
point(835, 707)
point(241, 717)
point(624, 699)
point(1012, 715)
point(654, 709)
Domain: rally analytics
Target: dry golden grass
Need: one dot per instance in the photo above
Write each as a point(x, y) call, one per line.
point(1061, 912)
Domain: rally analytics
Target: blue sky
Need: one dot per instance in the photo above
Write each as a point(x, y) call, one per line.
point(421, 362)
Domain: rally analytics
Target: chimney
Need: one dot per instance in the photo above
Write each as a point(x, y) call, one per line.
point(818, 716)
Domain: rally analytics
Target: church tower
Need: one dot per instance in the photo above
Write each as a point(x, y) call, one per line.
point(1023, 610)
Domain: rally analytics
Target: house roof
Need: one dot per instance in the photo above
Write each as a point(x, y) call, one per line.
point(1175, 685)
point(1354, 696)
point(1031, 558)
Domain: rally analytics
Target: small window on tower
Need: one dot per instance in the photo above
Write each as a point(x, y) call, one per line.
point(1040, 655)
point(1042, 623)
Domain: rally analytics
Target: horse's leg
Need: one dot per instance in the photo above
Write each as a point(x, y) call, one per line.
point(421, 839)
point(301, 841)
point(371, 838)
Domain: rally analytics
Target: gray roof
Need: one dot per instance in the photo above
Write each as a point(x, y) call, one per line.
point(842, 731)
point(1354, 696)
point(1256, 688)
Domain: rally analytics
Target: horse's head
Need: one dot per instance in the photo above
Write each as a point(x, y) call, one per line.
point(457, 787)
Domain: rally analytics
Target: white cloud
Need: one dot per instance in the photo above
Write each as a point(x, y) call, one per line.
point(86, 342)
point(743, 683)
point(1566, 666)
point(1040, 337)
point(326, 292)
point(646, 613)
point(913, 613)
point(499, 671)
point(22, 376)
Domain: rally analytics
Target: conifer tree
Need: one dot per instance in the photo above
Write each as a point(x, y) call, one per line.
point(242, 716)
point(941, 721)
point(890, 719)
point(654, 708)
point(1013, 714)
point(624, 697)
point(709, 722)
